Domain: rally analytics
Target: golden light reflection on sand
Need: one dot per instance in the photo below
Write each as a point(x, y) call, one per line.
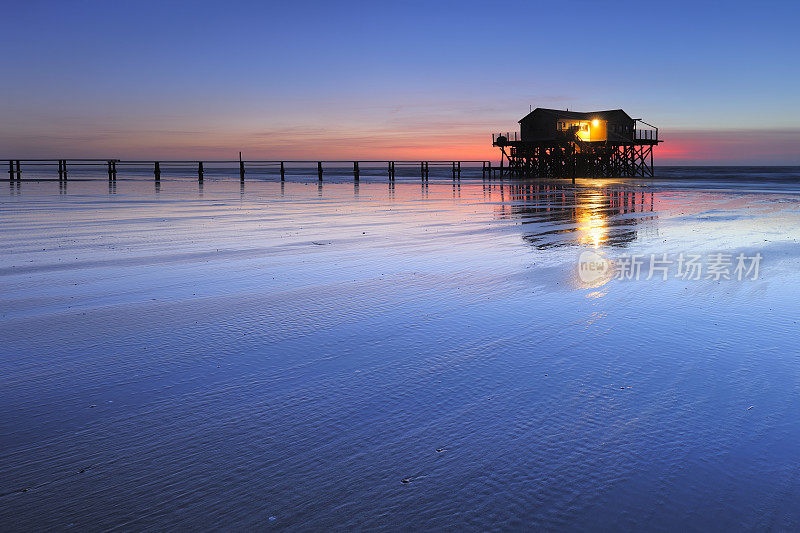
point(591, 219)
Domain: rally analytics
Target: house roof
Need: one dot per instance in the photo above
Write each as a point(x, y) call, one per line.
point(611, 115)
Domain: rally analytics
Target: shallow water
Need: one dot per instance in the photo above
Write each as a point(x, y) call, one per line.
point(303, 356)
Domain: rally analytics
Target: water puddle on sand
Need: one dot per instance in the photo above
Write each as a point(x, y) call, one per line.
point(360, 356)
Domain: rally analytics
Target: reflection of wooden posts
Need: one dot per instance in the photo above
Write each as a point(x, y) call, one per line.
point(574, 163)
point(110, 165)
point(10, 170)
point(157, 171)
point(458, 170)
point(283, 172)
point(200, 171)
point(319, 170)
point(241, 170)
point(355, 171)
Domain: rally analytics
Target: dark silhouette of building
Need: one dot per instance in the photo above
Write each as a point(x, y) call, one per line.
point(562, 144)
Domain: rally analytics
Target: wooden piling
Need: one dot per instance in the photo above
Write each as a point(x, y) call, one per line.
point(15, 171)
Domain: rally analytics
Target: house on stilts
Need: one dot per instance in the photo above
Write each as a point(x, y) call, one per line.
point(567, 144)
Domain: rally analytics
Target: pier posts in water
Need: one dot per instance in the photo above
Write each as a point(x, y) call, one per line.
point(15, 172)
point(12, 172)
point(112, 169)
point(501, 164)
point(456, 170)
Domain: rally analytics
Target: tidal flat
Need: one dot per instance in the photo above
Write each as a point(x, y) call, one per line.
point(307, 356)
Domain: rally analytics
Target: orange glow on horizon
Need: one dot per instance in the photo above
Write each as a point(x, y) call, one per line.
point(462, 143)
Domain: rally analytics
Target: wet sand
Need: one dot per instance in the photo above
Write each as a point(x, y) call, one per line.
point(358, 356)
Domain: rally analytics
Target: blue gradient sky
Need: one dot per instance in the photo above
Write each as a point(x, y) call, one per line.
point(400, 79)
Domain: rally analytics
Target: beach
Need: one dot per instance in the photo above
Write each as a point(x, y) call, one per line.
point(340, 355)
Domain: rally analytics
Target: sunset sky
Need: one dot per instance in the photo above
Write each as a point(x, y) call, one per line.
point(394, 80)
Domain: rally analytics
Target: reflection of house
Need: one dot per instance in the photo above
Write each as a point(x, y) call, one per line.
point(553, 215)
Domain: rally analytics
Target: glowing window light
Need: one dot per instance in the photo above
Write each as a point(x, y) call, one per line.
point(595, 122)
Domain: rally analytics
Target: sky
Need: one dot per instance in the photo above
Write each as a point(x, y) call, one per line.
point(391, 80)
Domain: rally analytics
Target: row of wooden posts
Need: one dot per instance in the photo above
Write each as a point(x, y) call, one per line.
point(15, 172)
